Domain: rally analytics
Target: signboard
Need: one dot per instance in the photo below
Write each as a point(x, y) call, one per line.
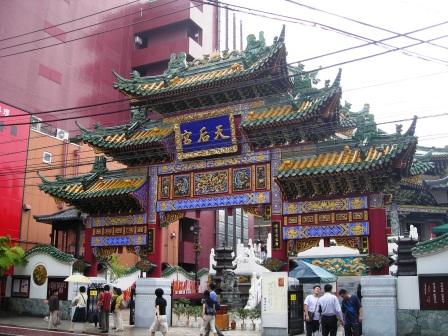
point(151, 240)
point(274, 300)
point(276, 235)
point(206, 137)
point(57, 283)
point(433, 292)
point(20, 286)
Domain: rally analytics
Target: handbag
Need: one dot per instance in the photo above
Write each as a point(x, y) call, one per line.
point(80, 314)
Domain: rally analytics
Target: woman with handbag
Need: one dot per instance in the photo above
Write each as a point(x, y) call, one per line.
point(53, 306)
point(80, 315)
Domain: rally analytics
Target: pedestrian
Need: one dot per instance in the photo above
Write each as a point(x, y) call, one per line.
point(208, 314)
point(215, 298)
point(80, 315)
point(352, 310)
point(118, 318)
point(160, 322)
point(309, 311)
point(104, 302)
point(54, 319)
point(97, 318)
point(329, 310)
point(263, 252)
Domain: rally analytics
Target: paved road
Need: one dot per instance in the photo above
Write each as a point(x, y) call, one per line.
point(33, 326)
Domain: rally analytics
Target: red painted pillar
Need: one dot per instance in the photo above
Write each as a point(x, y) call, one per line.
point(278, 252)
point(88, 253)
point(156, 256)
point(378, 234)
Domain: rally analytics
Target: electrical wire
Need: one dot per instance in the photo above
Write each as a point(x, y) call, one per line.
point(250, 84)
point(88, 26)
point(69, 21)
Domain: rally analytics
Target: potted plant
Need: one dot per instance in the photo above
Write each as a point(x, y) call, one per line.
point(376, 261)
point(254, 314)
point(179, 309)
point(243, 314)
point(232, 316)
point(196, 312)
point(189, 311)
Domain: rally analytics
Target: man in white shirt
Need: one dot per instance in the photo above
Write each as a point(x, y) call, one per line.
point(309, 310)
point(329, 310)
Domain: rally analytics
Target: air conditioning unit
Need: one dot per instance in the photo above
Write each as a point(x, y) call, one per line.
point(36, 123)
point(61, 134)
point(138, 40)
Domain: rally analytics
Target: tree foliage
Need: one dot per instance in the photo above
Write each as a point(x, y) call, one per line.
point(116, 268)
point(10, 255)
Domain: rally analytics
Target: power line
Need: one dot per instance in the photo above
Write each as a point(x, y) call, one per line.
point(362, 23)
point(69, 21)
point(88, 26)
point(270, 79)
point(304, 60)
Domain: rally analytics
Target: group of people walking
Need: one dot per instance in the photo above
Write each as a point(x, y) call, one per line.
point(108, 302)
point(323, 313)
point(210, 304)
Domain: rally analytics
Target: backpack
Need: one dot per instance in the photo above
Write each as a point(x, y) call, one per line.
point(209, 310)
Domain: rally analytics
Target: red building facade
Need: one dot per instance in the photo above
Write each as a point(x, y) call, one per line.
point(77, 73)
point(13, 152)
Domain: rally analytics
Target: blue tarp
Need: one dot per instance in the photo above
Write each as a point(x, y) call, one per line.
point(309, 273)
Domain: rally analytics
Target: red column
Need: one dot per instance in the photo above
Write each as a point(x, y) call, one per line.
point(279, 253)
point(88, 253)
point(378, 234)
point(156, 256)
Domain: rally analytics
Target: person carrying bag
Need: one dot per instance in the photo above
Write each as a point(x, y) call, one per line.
point(80, 303)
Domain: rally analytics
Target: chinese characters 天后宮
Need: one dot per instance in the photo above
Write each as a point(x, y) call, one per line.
point(203, 135)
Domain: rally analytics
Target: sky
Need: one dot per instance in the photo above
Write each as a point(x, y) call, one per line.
point(397, 85)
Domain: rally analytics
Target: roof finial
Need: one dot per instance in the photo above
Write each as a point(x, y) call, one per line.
point(411, 130)
point(281, 38)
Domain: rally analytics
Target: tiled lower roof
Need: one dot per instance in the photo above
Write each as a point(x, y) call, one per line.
point(349, 159)
point(432, 246)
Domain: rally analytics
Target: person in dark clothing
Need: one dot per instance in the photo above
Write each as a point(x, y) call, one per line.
point(160, 322)
point(104, 302)
point(352, 310)
point(208, 314)
point(53, 307)
point(329, 311)
point(214, 297)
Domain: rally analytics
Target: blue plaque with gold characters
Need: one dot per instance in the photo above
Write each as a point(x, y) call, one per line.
point(205, 137)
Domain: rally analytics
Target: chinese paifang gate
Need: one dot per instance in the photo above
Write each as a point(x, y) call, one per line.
point(238, 129)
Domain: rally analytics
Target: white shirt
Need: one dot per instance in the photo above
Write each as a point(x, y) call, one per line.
point(311, 302)
point(330, 306)
point(81, 299)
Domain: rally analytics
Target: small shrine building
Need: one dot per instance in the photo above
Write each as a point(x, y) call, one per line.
point(238, 129)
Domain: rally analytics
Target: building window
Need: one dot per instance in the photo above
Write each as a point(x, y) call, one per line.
point(195, 33)
point(13, 130)
point(141, 41)
point(46, 157)
point(20, 286)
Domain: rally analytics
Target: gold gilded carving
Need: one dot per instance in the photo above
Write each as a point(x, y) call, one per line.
point(358, 215)
point(352, 242)
point(341, 216)
point(203, 135)
point(296, 246)
point(219, 134)
point(186, 137)
point(171, 217)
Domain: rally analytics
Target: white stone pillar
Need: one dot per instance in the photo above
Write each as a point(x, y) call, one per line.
point(145, 300)
point(379, 301)
point(269, 246)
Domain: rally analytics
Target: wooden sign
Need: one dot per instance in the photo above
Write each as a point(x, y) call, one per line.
point(433, 291)
point(57, 283)
point(151, 237)
point(276, 235)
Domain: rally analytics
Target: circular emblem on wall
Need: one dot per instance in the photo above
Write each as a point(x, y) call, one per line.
point(40, 275)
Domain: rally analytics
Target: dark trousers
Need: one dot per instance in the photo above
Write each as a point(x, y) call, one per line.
point(329, 325)
point(218, 331)
point(105, 320)
point(352, 329)
point(311, 326)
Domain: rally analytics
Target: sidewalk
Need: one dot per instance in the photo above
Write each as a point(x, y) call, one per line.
point(36, 326)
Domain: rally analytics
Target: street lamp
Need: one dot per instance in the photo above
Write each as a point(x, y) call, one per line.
point(197, 250)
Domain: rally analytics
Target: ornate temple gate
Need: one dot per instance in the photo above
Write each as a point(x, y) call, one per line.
point(245, 129)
